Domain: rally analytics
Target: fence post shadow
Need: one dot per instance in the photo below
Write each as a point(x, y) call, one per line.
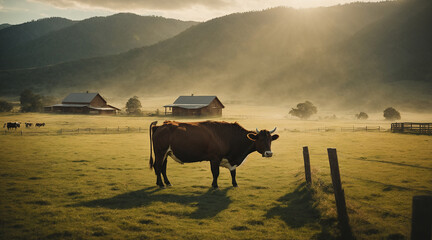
point(298, 209)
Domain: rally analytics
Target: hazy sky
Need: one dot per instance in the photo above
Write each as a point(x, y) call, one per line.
point(19, 11)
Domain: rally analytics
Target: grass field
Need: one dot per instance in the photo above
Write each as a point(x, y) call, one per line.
point(99, 186)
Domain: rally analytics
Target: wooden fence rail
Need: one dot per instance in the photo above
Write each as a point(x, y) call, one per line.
point(410, 127)
point(365, 128)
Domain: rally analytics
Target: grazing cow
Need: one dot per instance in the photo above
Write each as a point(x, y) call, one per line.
point(28, 124)
point(40, 124)
point(223, 144)
point(10, 125)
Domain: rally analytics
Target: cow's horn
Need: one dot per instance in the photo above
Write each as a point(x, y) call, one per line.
point(257, 130)
point(272, 131)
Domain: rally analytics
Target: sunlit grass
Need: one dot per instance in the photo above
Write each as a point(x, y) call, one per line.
point(99, 185)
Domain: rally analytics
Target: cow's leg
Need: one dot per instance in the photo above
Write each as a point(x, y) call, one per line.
point(215, 171)
point(233, 177)
point(164, 168)
point(158, 165)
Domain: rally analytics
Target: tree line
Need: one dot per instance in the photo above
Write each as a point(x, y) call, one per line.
point(31, 102)
point(306, 109)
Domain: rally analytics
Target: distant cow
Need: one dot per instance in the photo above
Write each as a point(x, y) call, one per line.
point(10, 125)
point(223, 144)
point(27, 124)
point(40, 124)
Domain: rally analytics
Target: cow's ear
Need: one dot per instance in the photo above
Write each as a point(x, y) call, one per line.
point(252, 136)
point(274, 137)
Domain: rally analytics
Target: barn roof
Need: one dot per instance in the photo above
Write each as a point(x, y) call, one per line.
point(80, 98)
point(193, 102)
point(108, 107)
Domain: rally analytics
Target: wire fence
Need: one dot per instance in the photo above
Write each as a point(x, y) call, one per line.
point(74, 131)
point(118, 130)
point(341, 129)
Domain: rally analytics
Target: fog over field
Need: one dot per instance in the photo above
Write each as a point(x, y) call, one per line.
point(354, 57)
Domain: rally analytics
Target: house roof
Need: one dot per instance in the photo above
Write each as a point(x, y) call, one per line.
point(80, 98)
point(193, 102)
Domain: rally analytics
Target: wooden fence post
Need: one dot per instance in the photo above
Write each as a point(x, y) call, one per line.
point(339, 195)
point(307, 165)
point(421, 222)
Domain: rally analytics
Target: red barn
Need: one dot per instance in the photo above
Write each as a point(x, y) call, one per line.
point(195, 106)
point(84, 103)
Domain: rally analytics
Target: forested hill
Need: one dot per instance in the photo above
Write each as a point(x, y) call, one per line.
point(357, 56)
point(14, 35)
point(98, 36)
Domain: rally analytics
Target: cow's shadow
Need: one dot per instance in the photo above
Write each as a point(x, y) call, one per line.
point(207, 205)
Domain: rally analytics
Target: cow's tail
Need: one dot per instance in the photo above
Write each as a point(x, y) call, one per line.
point(151, 143)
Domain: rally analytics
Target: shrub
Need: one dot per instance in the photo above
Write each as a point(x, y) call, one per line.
point(5, 106)
point(362, 116)
point(133, 106)
point(391, 114)
point(304, 110)
point(30, 102)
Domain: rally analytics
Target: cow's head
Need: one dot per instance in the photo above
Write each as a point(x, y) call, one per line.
point(263, 141)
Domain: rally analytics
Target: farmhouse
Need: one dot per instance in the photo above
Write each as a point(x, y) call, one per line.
point(195, 106)
point(84, 103)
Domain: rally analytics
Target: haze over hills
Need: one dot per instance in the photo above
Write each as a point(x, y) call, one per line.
point(358, 56)
point(14, 35)
point(94, 37)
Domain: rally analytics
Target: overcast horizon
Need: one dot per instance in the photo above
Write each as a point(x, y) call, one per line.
point(21, 11)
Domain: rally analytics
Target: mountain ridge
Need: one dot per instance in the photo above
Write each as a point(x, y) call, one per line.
point(271, 56)
point(93, 37)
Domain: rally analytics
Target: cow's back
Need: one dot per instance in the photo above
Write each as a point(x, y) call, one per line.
point(189, 142)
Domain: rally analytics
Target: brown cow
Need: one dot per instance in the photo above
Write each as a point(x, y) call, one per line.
point(223, 144)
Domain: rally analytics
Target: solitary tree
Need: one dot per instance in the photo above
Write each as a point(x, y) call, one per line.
point(133, 106)
point(30, 102)
point(304, 110)
point(5, 106)
point(391, 114)
point(362, 116)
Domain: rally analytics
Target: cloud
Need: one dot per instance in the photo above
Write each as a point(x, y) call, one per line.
point(138, 4)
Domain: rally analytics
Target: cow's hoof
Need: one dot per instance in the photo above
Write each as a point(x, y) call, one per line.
point(161, 186)
point(168, 184)
point(235, 185)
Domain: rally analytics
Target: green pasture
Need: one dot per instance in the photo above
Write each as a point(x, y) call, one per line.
point(99, 186)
